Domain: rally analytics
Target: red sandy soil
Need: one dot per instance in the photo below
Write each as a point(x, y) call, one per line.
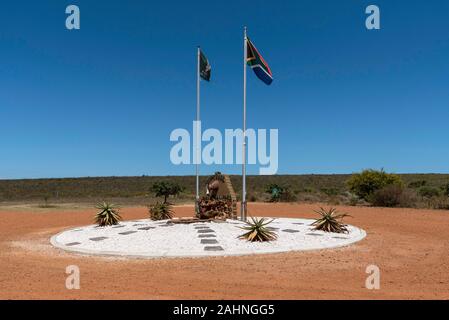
point(411, 248)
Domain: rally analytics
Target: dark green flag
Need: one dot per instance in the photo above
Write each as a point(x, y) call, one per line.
point(205, 68)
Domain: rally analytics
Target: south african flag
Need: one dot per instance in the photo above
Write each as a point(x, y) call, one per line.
point(258, 64)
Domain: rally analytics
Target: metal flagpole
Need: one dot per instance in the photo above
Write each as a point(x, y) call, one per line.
point(198, 80)
point(245, 55)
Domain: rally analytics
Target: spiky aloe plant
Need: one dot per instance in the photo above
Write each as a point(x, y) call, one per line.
point(161, 211)
point(108, 214)
point(330, 221)
point(257, 230)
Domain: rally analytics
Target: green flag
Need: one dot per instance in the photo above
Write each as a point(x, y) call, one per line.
point(205, 68)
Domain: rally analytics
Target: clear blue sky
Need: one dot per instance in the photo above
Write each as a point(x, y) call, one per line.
point(103, 100)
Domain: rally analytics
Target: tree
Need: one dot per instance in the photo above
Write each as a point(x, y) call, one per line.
point(166, 189)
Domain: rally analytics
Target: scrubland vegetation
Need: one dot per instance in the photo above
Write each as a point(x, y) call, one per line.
point(369, 187)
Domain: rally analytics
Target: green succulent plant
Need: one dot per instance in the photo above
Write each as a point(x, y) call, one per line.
point(161, 211)
point(257, 230)
point(330, 221)
point(108, 215)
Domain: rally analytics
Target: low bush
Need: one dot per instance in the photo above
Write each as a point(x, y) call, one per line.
point(394, 196)
point(389, 196)
point(445, 189)
point(417, 184)
point(440, 203)
point(429, 192)
point(330, 191)
point(279, 193)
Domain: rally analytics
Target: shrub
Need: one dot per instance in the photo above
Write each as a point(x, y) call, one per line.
point(258, 231)
point(288, 196)
point(160, 211)
point(445, 189)
point(330, 191)
point(166, 189)
point(417, 184)
point(440, 203)
point(394, 196)
point(108, 214)
point(252, 198)
point(280, 193)
point(330, 221)
point(367, 182)
point(388, 196)
point(275, 191)
point(429, 192)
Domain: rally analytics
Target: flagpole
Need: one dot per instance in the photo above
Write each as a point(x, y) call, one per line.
point(198, 80)
point(245, 55)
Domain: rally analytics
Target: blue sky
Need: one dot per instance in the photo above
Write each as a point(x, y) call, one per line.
point(103, 100)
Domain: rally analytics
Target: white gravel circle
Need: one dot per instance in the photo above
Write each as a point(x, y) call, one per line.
point(157, 239)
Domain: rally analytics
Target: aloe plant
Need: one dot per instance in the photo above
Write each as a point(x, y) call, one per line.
point(161, 211)
point(257, 230)
point(330, 221)
point(108, 214)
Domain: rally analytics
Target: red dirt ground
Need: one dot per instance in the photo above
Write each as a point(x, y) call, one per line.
point(411, 248)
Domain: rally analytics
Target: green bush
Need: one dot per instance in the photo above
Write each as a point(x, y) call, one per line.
point(445, 189)
point(366, 183)
point(330, 191)
point(275, 191)
point(417, 184)
point(429, 192)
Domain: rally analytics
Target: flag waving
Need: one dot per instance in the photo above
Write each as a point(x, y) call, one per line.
point(255, 60)
point(205, 68)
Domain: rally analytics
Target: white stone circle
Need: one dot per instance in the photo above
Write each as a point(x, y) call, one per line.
point(157, 239)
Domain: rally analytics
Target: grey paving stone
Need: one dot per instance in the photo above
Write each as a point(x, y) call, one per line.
point(340, 238)
point(213, 248)
point(138, 224)
point(314, 234)
point(72, 244)
point(207, 236)
point(98, 238)
point(146, 228)
point(208, 241)
point(271, 228)
point(298, 223)
point(206, 231)
point(290, 230)
point(204, 227)
point(127, 232)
